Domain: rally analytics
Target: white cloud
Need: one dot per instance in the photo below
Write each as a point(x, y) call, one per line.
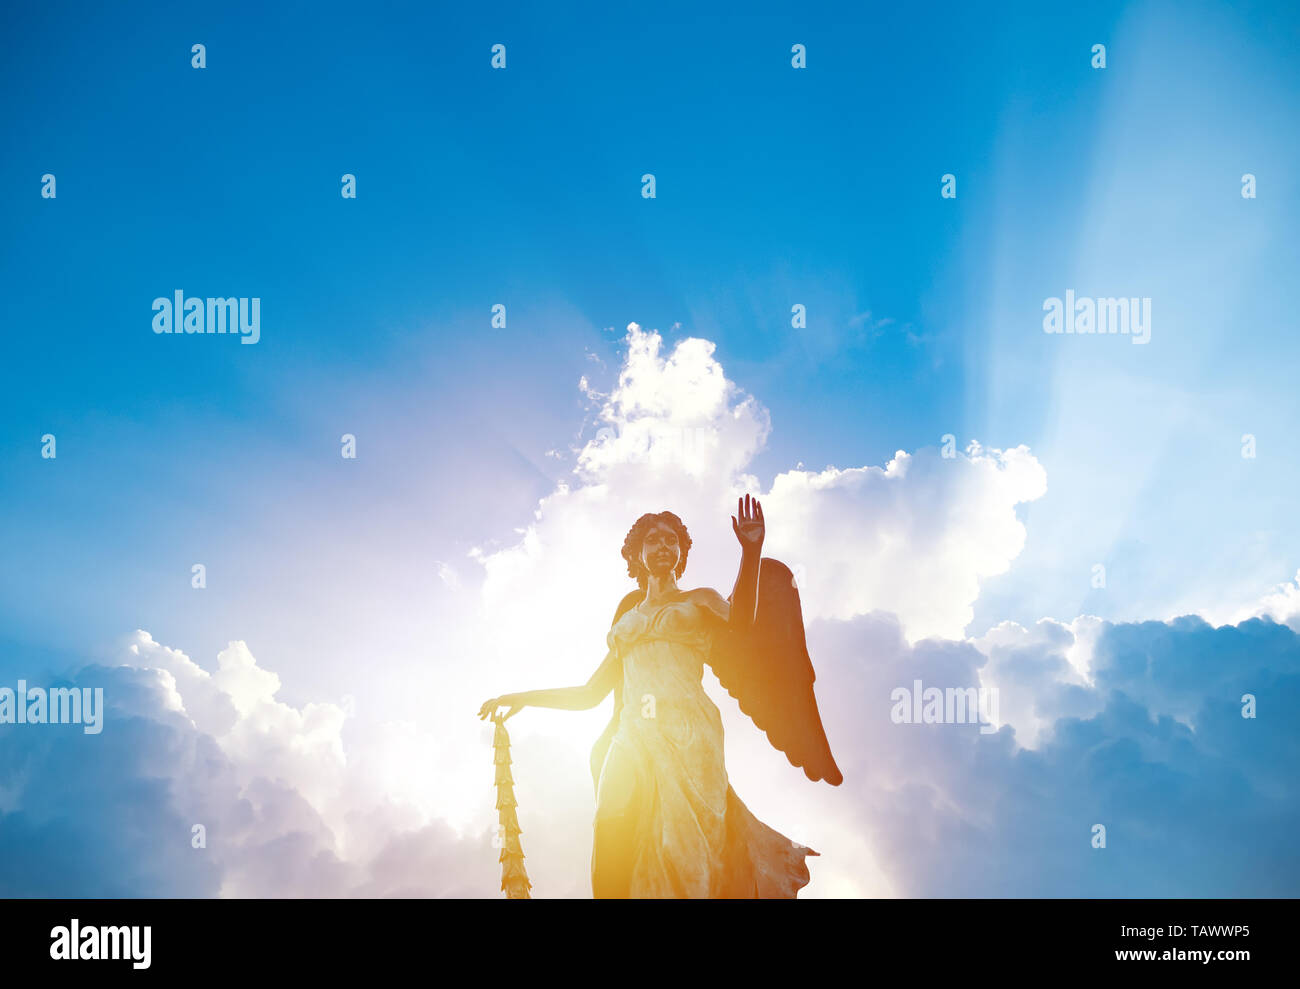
point(289, 811)
point(1041, 673)
point(915, 537)
point(1282, 604)
point(314, 801)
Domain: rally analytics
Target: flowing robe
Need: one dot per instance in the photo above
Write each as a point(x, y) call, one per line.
point(662, 797)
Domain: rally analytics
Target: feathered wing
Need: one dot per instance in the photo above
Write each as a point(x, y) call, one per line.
point(768, 670)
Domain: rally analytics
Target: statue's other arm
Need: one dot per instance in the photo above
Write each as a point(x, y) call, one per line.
point(581, 698)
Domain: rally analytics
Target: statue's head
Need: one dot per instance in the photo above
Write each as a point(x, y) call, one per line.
point(656, 544)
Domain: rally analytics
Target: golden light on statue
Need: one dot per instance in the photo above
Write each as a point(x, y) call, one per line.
point(668, 824)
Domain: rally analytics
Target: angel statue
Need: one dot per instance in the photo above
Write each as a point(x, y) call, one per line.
point(668, 824)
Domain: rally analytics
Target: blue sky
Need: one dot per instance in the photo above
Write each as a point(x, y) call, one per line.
point(775, 186)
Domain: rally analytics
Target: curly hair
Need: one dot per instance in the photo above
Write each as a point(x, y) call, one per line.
point(636, 535)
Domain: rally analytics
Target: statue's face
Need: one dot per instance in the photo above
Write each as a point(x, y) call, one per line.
point(660, 550)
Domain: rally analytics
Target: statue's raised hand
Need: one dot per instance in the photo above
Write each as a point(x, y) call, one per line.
point(747, 523)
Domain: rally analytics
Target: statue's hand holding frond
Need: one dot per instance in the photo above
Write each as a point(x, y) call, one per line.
point(489, 708)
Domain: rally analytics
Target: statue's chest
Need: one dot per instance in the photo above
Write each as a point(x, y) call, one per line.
point(678, 622)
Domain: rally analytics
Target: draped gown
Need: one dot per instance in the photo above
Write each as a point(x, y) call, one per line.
point(662, 778)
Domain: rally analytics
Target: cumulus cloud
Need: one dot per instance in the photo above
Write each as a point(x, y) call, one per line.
point(1041, 673)
point(1137, 727)
point(284, 811)
point(1282, 604)
point(1196, 799)
point(914, 537)
point(890, 561)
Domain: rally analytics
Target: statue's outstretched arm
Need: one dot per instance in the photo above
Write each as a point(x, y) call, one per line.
point(581, 698)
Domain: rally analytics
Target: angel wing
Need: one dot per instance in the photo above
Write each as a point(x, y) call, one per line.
point(768, 670)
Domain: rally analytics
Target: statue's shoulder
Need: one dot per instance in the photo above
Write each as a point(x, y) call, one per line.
point(708, 598)
point(629, 602)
